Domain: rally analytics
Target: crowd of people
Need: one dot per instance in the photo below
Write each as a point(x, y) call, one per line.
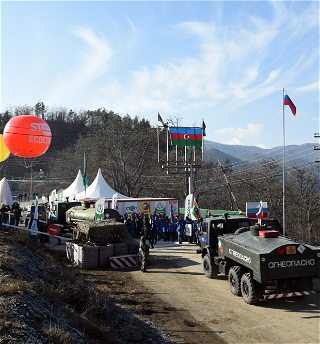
point(140, 226)
point(10, 216)
point(159, 227)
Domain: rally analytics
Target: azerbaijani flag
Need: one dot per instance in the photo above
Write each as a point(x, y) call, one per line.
point(161, 120)
point(184, 136)
point(85, 170)
point(288, 101)
point(203, 128)
point(195, 210)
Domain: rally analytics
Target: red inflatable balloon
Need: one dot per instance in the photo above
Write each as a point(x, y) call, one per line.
point(27, 136)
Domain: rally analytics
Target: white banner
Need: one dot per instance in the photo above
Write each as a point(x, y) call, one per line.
point(53, 195)
point(189, 229)
point(34, 226)
point(188, 206)
point(114, 201)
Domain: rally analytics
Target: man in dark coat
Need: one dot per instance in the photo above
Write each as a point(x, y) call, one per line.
point(147, 229)
point(5, 210)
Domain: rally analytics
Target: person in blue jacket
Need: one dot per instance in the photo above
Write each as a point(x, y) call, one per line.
point(164, 226)
point(172, 228)
point(180, 230)
point(132, 227)
point(158, 222)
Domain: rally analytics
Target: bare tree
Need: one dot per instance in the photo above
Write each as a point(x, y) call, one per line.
point(305, 209)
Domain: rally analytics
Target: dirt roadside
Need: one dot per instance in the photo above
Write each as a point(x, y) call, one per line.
point(44, 299)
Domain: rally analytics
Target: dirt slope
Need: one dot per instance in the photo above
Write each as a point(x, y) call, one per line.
point(43, 299)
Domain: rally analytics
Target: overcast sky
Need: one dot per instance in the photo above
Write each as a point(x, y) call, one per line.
point(222, 62)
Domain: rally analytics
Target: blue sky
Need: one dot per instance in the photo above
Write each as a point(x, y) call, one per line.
point(224, 62)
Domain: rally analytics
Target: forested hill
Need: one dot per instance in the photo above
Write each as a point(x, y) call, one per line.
point(126, 151)
point(66, 125)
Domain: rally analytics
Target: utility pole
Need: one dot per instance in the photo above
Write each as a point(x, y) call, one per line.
point(190, 160)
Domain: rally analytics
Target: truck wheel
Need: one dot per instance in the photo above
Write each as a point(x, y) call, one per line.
point(234, 279)
point(209, 270)
point(247, 289)
point(305, 285)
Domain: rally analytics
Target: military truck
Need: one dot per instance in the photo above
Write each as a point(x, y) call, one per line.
point(258, 261)
point(213, 226)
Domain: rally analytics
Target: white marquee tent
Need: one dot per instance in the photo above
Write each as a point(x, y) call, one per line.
point(75, 188)
point(98, 189)
point(5, 192)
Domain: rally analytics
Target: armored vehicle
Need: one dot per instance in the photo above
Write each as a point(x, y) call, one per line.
point(58, 210)
point(83, 213)
point(257, 261)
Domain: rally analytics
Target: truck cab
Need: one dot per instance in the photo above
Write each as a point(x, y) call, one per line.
point(211, 228)
point(214, 226)
point(59, 209)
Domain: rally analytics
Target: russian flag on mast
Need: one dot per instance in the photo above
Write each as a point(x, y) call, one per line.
point(259, 214)
point(288, 101)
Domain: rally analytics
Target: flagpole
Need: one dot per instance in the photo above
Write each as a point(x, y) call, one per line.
point(158, 144)
point(85, 172)
point(283, 168)
point(202, 149)
point(177, 158)
point(167, 147)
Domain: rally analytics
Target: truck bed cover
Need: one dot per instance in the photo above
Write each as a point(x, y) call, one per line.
point(262, 245)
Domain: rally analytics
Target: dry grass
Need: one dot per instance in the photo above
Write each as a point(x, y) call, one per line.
point(20, 235)
point(65, 288)
point(57, 335)
point(10, 288)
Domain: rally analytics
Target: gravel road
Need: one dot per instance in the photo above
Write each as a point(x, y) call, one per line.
point(175, 275)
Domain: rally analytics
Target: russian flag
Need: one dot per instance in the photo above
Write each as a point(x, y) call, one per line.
point(259, 214)
point(288, 101)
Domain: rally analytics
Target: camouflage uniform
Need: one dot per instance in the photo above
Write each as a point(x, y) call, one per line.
point(144, 253)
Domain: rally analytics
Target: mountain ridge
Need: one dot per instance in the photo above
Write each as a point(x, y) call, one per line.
point(238, 154)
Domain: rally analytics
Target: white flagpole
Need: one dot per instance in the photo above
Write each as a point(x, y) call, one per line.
point(283, 168)
point(202, 140)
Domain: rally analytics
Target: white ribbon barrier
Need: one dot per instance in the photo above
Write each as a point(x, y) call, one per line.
point(38, 232)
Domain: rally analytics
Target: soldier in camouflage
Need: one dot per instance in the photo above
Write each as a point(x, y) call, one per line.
point(144, 253)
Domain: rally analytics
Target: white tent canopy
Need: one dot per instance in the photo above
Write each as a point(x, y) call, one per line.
point(98, 189)
point(5, 192)
point(75, 188)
